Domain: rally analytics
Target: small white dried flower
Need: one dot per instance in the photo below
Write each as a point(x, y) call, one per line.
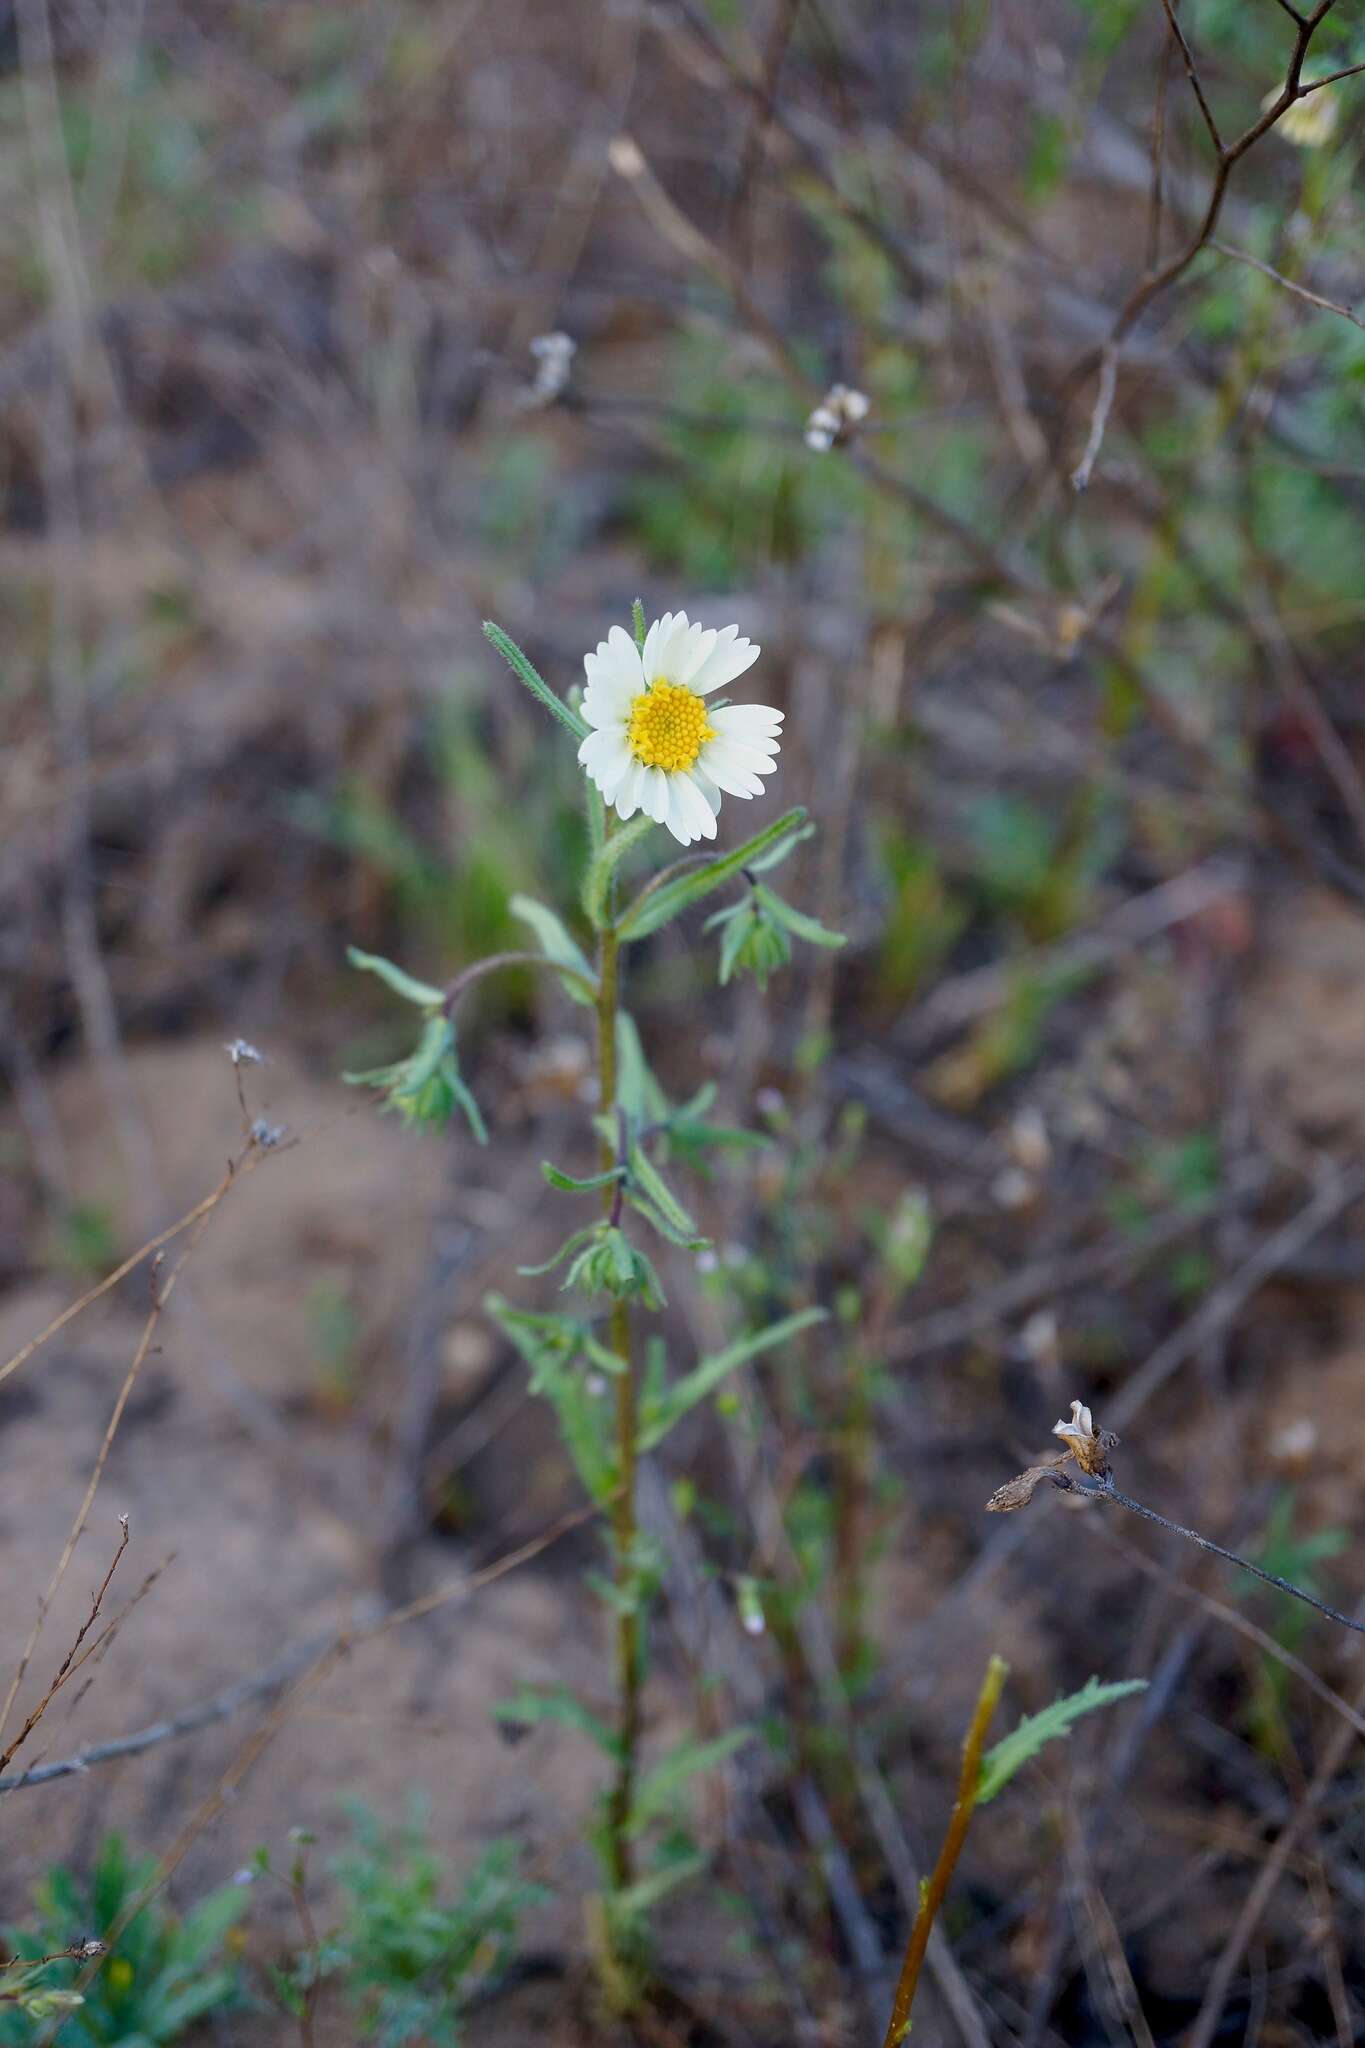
point(834, 418)
point(1086, 1444)
point(268, 1136)
point(554, 354)
point(821, 429)
point(243, 1053)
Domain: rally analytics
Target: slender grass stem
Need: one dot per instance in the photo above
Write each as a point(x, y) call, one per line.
point(933, 1892)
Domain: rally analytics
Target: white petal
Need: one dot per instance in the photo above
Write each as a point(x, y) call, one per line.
point(677, 817)
point(747, 722)
point(697, 648)
point(600, 749)
point(734, 777)
point(654, 794)
point(675, 655)
point(728, 658)
point(614, 677)
point(744, 759)
point(628, 795)
point(649, 654)
point(700, 816)
point(706, 786)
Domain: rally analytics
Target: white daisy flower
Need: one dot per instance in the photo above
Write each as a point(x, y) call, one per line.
point(655, 747)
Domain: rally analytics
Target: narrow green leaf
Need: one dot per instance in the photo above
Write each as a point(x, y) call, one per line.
point(653, 909)
point(773, 859)
point(658, 1787)
point(651, 1183)
point(641, 1897)
point(637, 620)
point(462, 1095)
point(405, 985)
point(637, 1090)
point(689, 1240)
point(658, 1418)
point(535, 683)
point(527, 1705)
point(570, 1244)
point(551, 1346)
point(798, 924)
point(597, 882)
point(1035, 1731)
point(557, 944)
point(737, 937)
point(571, 1186)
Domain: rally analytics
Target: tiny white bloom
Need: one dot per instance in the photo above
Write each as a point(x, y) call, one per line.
point(1308, 122)
point(1086, 1444)
point(854, 405)
point(821, 428)
point(839, 411)
point(554, 354)
point(1081, 1427)
point(654, 746)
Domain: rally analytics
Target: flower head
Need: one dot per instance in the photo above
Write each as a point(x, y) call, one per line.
point(834, 418)
point(1087, 1445)
point(1307, 122)
point(656, 746)
point(554, 354)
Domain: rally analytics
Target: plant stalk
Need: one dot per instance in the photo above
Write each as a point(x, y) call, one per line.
point(932, 1893)
point(621, 1799)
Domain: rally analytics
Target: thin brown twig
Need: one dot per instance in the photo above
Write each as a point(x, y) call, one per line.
point(1316, 84)
point(1300, 291)
point(286, 1667)
point(1156, 280)
point(1244, 1626)
point(1192, 73)
point(1105, 1489)
point(73, 1659)
point(236, 1169)
point(1099, 419)
point(160, 1297)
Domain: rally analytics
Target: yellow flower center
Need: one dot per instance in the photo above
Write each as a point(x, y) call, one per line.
point(668, 727)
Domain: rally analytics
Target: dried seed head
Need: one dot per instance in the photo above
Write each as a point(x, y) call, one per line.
point(1017, 1493)
point(1086, 1444)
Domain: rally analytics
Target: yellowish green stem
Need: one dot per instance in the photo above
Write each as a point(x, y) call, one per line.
point(933, 1892)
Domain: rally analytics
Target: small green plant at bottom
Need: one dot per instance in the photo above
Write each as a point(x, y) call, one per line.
point(133, 1985)
point(409, 1952)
